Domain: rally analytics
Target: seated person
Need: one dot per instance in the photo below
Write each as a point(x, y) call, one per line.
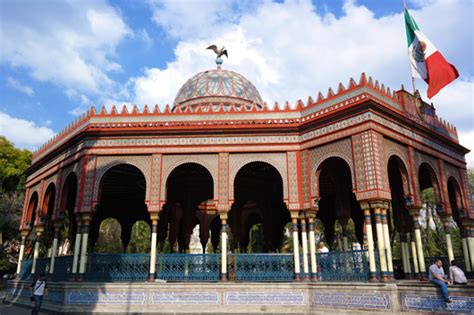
point(456, 275)
point(437, 277)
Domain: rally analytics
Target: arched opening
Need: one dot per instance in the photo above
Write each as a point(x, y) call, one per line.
point(258, 199)
point(432, 230)
point(337, 201)
point(189, 201)
point(67, 203)
point(122, 197)
point(47, 211)
point(398, 215)
point(30, 222)
point(457, 210)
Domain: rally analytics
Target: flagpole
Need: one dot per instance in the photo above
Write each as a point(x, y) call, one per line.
point(409, 64)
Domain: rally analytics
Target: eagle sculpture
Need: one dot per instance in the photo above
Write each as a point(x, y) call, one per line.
point(218, 52)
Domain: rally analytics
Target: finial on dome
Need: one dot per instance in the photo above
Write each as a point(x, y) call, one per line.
point(219, 53)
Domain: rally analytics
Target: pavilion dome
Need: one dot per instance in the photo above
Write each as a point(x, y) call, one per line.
point(218, 86)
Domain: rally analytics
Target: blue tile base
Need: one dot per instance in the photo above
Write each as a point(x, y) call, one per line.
point(434, 303)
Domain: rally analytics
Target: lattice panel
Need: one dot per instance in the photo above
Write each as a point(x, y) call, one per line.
point(305, 178)
point(223, 178)
point(155, 185)
point(88, 183)
point(293, 177)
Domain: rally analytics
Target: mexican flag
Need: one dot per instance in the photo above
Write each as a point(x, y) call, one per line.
point(426, 61)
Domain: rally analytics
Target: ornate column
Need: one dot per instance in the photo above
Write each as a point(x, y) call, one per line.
point(296, 246)
point(154, 230)
point(304, 241)
point(370, 241)
point(470, 243)
point(224, 228)
point(312, 245)
point(85, 237)
point(465, 249)
point(24, 234)
point(415, 213)
point(39, 232)
point(447, 231)
point(405, 258)
point(386, 238)
point(377, 206)
point(54, 248)
point(77, 244)
point(416, 269)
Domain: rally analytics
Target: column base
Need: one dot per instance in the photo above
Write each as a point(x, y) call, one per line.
point(373, 277)
point(81, 277)
point(314, 278)
point(224, 278)
point(306, 277)
point(297, 278)
point(151, 277)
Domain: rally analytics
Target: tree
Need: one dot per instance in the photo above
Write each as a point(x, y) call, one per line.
point(13, 164)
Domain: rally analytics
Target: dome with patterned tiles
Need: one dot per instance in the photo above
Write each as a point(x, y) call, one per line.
point(215, 87)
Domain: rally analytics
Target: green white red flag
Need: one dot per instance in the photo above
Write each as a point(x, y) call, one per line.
point(426, 61)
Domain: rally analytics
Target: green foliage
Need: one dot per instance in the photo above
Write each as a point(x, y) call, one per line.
point(140, 240)
point(256, 239)
point(109, 240)
point(13, 164)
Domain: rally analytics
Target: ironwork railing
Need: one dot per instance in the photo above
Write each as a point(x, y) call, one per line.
point(62, 268)
point(42, 266)
point(261, 267)
point(446, 263)
point(188, 267)
point(117, 267)
point(343, 266)
point(25, 269)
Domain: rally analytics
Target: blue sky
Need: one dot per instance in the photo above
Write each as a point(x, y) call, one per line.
point(59, 57)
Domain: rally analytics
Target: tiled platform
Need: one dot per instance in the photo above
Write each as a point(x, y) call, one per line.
point(303, 298)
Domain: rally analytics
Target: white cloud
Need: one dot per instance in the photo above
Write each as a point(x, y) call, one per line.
point(71, 44)
point(455, 104)
point(23, 133)
point(145, 37)
point(467, 140)
point(15, 84)
point(291, 50)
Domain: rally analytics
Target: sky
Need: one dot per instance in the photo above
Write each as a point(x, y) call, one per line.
point(57, 58)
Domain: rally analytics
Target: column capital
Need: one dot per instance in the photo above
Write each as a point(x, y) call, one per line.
point(364, 205)
point(311, 215)
point(294, 215)
point(414, 212)
point(379, 204)
point(154, 216)
point(315, 204)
